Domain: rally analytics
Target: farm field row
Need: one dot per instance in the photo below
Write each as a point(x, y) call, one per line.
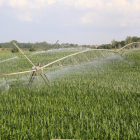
point(98, 100)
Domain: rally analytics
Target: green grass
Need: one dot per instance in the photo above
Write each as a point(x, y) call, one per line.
point(99, 100)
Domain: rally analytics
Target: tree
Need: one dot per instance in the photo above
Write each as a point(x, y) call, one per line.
point(32, 49)
point(138, 40)
point(123, 43)
point(113, 42)
point(109, 46)
point(129, 40)
point(119, 46)
point(15, 50)
point(13, 41)
point(134, 38)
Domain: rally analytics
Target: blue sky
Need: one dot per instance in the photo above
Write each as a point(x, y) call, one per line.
point(91, 22)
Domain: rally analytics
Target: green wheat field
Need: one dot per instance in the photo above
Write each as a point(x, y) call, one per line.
point(97, 100)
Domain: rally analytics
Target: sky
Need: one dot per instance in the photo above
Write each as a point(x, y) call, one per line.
point(83, 22)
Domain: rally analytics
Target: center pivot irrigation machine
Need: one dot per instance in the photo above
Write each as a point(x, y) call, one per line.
point(36, 69)
point(84, 56)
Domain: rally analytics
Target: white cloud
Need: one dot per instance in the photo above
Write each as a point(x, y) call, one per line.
point(26, 4)
point(109, 4)
point(42, 0)
point(25, 10)
point(136, 4)
point(1, 2)
point(123, 25)
point(87, 19)
point(82, 4)
point(17, 3)
point(31, 4)
point(94, 12)
point(51, 1)
point(24, 16)
point(113, 13)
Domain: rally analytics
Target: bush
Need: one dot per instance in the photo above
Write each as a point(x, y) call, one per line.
point(15, 50)
point(32, 49)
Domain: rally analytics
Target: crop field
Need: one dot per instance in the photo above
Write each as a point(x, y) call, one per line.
point(93, 100)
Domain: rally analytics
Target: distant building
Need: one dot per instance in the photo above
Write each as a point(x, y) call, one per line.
point(96, 46)
point(93, 46)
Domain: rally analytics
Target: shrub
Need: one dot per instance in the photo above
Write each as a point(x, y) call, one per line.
point(32, 49)
point(15, 50)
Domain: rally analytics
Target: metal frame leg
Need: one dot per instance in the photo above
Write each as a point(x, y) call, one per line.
point(32, 78)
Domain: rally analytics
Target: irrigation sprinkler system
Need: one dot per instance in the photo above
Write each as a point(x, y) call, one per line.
point(36, 68)
point(40, 67)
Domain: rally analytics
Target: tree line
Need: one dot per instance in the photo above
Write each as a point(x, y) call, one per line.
point(42, 45)
point(46, 46)
point(118, 44)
